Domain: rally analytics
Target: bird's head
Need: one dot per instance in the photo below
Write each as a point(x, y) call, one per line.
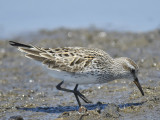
point(129, 69)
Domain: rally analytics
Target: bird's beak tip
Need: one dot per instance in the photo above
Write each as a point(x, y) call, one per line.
point(139, 86)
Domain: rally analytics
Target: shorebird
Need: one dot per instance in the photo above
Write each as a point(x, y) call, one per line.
point(81, 65)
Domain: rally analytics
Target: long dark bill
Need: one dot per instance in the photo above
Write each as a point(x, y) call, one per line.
point(138, 85)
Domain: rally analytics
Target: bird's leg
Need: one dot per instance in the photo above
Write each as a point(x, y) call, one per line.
point(81, 95)
point(63, 89)
point(75, 91)
point(67, 90)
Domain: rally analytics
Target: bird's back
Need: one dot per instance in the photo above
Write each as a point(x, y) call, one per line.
point(68, 59)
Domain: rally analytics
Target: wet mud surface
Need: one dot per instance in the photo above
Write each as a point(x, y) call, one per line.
point(27, 89)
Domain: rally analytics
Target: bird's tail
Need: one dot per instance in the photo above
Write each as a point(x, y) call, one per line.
point(32, 52)
point(16, 44)
point(36, 53)
point(29, 49)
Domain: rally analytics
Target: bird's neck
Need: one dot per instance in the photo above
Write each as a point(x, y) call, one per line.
point(117, 69)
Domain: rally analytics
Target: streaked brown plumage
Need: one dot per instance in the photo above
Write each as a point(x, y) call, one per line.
point(70, 59)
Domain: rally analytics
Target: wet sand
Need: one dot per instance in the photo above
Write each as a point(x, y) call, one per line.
point(29, 92)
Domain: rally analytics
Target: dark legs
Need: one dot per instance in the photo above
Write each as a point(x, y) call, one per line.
point(75, 89)
point(76, 93)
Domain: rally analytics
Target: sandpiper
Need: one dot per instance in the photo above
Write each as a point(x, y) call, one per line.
point(81, 65)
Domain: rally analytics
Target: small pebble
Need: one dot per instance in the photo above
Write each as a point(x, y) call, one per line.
point(82, 109)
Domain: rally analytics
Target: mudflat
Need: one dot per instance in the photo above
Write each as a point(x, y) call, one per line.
point(27, 89)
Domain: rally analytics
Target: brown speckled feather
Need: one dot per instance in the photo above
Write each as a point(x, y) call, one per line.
point(70, 59)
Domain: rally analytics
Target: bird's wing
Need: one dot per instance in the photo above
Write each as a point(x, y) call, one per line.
point(69, 59)
point(64, 59)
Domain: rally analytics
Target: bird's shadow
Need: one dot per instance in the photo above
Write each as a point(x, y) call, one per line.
point(61, 109)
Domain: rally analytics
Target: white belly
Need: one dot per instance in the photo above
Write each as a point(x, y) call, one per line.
point(81, 79)
point(74, 77)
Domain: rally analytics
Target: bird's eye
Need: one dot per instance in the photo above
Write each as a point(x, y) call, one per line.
point(132, 70)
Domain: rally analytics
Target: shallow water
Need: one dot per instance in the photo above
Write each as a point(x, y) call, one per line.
point(27, 90)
